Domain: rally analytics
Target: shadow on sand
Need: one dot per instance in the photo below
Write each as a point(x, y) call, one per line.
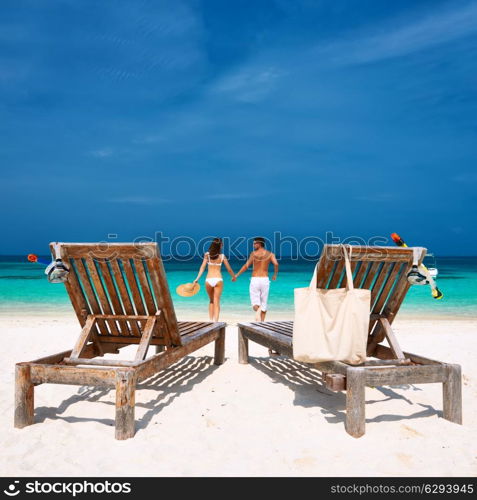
point(310, 391)
point(168, 384)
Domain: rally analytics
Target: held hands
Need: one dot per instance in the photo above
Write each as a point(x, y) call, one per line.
point(274, 277)
point(234, 277)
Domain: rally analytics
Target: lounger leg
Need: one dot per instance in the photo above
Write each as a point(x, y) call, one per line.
point(452, 395)
point(125, 400)
point(220, 348)
point(242, 347)
point(355, 401)
point(24, 395)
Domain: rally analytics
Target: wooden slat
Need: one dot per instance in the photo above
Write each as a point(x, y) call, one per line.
point(101, 294)
point(113, 294)
point(209, 327)
point(125, 317)
point(83, 337)
point(162, 360)
point(285, 325)
point(123, 292)
point(284, 330)
point(98, 362)
point(73, 289)
point(88, 352)
point(146, 338)
point(166, 325)
point(168, 306)
point(387, 288)
point(72, 375)
point(383, 352)
point(397, 375)
point(111, 251)
point(373, 253)
point(393, 343)
point(192, 327)
point(88, 289)
point(373, 257)
point(371, 275)
point(380, 274)
point(125, 340)
point(360, 274)
point(148, 298)
point(383, 273)
point(184, 323)
point(157, 277)
point(398, 295)
point(392, 307)
point(387, 362)
point(336, 275)
point(261, 335)
point(137, 299)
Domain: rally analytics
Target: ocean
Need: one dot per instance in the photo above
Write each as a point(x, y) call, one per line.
point(24, 289)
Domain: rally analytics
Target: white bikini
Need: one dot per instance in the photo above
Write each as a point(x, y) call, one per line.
point(213, 281)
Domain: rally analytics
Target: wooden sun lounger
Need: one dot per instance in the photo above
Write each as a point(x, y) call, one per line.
point(121, 297)
point(383, 270)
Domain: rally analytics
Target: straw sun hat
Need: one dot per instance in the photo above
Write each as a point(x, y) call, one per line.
point(188, 289)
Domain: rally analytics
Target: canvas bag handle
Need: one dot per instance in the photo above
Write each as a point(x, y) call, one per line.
point(349, 274)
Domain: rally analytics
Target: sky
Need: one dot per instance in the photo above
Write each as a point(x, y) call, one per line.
point(212, 118)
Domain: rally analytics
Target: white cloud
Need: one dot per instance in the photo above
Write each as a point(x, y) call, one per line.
point(235, 196)
point(228, 196)
point(139, 200)
point(249, 85)
point(102, 153)
point(406, 38)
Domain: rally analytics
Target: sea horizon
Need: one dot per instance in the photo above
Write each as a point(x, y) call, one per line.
point(24, 289)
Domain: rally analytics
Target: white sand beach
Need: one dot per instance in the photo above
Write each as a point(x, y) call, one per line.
point(272, 417)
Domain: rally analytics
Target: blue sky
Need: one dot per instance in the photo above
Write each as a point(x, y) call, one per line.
point(227, 118)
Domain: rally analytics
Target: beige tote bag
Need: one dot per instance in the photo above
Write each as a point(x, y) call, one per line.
point(331, 325)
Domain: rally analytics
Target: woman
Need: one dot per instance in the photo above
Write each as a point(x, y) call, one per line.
point(214, 283)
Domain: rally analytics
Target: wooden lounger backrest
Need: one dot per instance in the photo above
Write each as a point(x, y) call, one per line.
point(383, 270)
point(120, 279)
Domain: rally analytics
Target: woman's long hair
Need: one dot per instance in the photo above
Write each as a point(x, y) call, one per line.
point(214, 249)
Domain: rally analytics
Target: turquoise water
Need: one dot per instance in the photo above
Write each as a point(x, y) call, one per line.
point(25, 289)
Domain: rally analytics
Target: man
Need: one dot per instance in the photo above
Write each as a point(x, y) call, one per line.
point(260, 258)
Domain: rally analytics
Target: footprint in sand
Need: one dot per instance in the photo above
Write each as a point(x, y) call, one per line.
point(305, 462)
point(210, 423)
point(405, 459)
point(409, 431)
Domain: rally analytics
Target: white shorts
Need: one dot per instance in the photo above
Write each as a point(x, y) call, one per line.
point(259, 288)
